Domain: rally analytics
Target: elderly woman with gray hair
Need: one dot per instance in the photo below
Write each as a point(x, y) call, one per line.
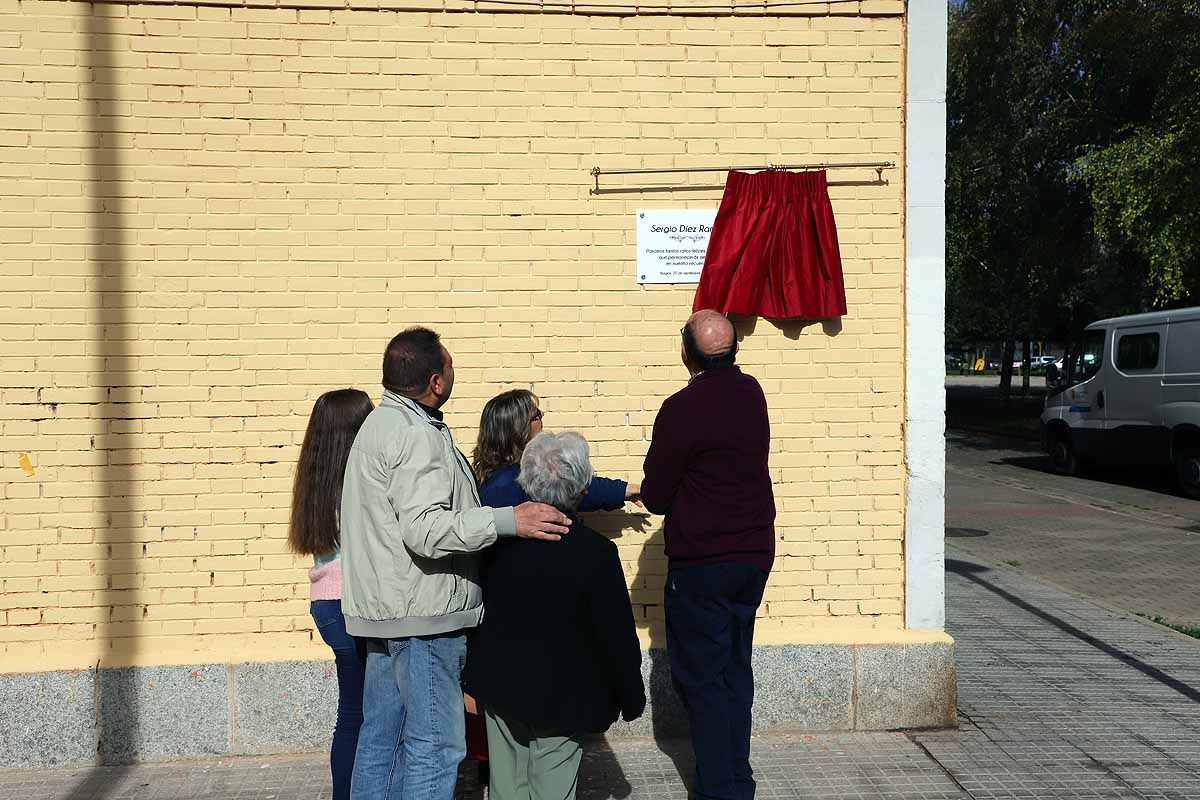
point(557, 655)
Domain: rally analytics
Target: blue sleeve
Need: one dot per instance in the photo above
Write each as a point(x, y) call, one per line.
point(604, 494)
point(501, 489)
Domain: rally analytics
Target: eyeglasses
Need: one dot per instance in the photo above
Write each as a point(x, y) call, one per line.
point(537, 415)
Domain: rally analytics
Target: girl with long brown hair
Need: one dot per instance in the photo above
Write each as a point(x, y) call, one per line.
point(316, 499)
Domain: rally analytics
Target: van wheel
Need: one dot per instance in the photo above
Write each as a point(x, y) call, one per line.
point(1187, 471)
point(1062, 455)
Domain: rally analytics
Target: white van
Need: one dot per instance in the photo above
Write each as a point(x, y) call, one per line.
point(1134, 394)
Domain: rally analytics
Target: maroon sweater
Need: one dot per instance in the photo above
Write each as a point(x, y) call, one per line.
point(707, 471)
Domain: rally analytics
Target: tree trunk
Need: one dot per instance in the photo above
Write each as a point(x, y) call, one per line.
point(1026, 364)
point(1006, 361)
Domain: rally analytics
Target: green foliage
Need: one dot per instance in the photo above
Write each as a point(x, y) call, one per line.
point(1142, 184)
point(1144, 196)
point(1074, 136)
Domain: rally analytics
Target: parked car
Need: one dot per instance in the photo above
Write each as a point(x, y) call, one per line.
point(1036, 363)
point(1133, 394)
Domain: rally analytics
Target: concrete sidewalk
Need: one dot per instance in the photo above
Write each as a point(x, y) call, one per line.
point(1058, 697)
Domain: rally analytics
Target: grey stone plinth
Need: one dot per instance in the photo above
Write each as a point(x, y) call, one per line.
point(910, 686)
point(821, 687)
point(49, 718)
point(119, 716)
point(804, 687)
point(155, 713)
point(286, 707)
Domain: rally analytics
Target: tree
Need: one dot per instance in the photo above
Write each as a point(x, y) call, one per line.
point(1142, 183)
point(1010, 145)
point(1073, 136)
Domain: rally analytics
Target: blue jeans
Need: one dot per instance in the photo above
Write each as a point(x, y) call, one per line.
point(710, 633)
point(327, 614)
point(414, 734)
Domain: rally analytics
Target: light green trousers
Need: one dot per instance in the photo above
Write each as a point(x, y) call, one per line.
point(527, 763)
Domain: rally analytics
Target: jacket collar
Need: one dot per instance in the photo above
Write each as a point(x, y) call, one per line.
point(711, 373)
point(390, 398)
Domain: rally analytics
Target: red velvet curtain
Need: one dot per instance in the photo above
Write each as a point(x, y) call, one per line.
point(774, 251)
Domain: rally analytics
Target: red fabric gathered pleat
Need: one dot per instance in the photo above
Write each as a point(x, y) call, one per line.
point(774, 251)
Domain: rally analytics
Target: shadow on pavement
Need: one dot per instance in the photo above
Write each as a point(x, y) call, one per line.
point(668, 720)
point(989, 442)
point(972, 572)
point(672, 733)
point(1156, 478)
point(1135, 476)
point(601, 776)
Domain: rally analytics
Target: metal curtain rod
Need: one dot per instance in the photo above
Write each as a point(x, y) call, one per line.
point(878, 166)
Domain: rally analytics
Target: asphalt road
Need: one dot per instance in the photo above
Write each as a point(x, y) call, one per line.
point(1122, 538)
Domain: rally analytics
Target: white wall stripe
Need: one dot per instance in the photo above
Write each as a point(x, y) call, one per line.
point(925, 304)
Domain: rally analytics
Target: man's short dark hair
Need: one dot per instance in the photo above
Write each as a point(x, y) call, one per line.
point(702, 361)
point(411, 358)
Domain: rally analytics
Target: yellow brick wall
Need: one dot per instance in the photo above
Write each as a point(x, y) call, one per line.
point(210, 215)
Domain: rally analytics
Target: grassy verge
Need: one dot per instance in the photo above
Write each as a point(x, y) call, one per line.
point(1187, 630)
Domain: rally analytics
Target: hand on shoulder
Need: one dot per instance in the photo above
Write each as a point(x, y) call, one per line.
point(540, 521)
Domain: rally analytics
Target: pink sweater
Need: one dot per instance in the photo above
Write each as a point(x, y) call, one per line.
point(325, 581)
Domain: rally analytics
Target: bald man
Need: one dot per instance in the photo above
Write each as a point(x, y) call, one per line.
point(707, 472)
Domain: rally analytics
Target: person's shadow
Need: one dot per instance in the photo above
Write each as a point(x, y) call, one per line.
point(601, 775)
point(667, 720)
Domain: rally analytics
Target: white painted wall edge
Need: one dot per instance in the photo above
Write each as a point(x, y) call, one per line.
point(925, 312)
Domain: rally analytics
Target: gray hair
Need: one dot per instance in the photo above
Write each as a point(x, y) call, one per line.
point(555, 470)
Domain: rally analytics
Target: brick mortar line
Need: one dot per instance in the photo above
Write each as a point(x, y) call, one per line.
point(557, 7)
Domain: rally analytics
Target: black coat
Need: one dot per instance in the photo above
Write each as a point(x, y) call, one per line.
point(557, 647)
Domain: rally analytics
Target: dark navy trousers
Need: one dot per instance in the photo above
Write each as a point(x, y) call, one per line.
point(710, 613)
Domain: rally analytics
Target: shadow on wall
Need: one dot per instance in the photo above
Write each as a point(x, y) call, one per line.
point(116, 712)
point(665, 718)
point(668, 720)
point(791, 328)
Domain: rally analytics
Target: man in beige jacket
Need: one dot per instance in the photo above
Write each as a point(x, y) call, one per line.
point(411, 531)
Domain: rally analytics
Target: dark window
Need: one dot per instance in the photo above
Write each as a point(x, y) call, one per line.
point(1137, 352)
point(1089, 362)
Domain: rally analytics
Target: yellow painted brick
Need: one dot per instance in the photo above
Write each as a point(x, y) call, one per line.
point(284, 221)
